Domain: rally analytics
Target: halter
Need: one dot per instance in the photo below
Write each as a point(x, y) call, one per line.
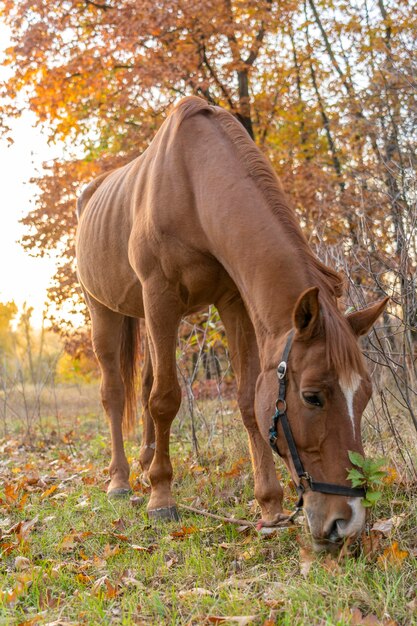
point(281, 415)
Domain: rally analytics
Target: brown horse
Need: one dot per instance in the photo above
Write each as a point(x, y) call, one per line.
point(201, 218)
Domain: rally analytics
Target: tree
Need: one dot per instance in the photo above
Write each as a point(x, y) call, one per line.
point(8, 311)
point(325, 88)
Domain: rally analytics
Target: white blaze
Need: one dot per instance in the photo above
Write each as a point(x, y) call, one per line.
point(349, 393)
point(356, 522)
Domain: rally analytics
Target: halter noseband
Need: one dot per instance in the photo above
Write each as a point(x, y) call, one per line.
point(281, 415)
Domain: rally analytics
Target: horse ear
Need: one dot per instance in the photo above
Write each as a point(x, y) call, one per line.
point(362, 321)
point(307, 313)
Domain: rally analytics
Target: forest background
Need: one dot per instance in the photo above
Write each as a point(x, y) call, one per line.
point(327, 90)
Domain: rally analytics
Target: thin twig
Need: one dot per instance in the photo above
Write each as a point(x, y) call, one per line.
point(230, 520)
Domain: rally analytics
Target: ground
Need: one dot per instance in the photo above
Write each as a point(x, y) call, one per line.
point(71, 556)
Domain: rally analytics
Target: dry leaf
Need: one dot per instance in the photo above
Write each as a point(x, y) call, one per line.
point(83, 503)
point(83, 578)
point(307, 559)
point(196, 591)
point(242, 620)
point(21, 563)
point(48, 492)
point(183, 532)
point(108, 551)
point(393, 556)
point(119, 524)
point(137, 548)
point(385, 526)
point(111, 591)
point(371, 543)
point(331, 565)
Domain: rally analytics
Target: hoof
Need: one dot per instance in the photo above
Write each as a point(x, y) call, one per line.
point(119, 492)
point(164, 513)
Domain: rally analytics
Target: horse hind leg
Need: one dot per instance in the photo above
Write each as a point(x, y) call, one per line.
point(115, 345)
point(162, 314)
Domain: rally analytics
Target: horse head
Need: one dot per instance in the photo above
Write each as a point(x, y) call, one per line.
point(321, 402)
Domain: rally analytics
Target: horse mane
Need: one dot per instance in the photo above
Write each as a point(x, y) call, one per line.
point(341, 345)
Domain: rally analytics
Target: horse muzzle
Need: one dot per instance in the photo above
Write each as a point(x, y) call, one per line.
point(330, 525)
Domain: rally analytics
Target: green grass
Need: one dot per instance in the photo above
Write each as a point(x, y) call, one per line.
point(81, 567)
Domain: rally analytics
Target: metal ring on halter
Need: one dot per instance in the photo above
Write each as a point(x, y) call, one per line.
point(281, 403)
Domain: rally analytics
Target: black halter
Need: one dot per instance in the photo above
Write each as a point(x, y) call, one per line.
point(281, 415)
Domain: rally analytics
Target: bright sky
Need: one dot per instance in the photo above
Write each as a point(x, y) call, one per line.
point(22, 278)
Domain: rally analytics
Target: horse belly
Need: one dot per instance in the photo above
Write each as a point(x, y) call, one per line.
point(103, 265)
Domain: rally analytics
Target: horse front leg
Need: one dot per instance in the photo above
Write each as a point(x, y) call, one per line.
point(245, 360)
point(162, 314)
point(147, 449)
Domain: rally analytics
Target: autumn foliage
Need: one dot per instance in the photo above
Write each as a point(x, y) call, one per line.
point(325, 87)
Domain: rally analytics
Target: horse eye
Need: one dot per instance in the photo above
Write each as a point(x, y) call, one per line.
point(314, 399)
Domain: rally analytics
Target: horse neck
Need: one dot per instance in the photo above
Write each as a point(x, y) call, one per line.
point(268, 262)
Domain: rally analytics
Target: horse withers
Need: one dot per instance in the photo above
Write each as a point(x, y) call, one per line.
point(200, 218)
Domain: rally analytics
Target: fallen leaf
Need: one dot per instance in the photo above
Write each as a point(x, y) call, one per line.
point(69, 541)
point(83, 578)
point(137, 548)
point(371, 543)
point(119, 524)
point(59, 496)
point(393, 556)
point(183, 532)
point(236, 468)
point(11, 493)
point(196, 591)
point(385, 526)
point(21, 563)
point(307, 559)
point(109, 552)
point(111, 591)
point(391, 475)
point(242, 620)
point(83, 503)
point(331, 565)
point(49, 492)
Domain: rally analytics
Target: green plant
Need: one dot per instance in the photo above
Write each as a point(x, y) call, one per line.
point(369, 475)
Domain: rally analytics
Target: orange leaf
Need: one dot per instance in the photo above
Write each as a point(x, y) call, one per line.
point(49, 492)
point(392, 555)
point(83, 578)
point(108, 551)
point(10, 493)
point(185, 530)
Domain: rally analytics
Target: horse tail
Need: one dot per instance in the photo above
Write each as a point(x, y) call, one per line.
point(129, 357)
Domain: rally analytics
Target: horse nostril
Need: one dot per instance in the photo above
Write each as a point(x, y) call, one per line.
point(333, 532)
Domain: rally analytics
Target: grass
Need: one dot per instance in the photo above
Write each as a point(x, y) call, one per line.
point(88, 560)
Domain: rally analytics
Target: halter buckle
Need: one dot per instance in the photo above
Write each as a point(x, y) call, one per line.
point(282, 370)
point(308, 478)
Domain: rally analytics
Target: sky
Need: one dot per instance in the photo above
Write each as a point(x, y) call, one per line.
point(22, 278)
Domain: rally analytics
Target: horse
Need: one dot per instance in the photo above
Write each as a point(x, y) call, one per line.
point(201, 218)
